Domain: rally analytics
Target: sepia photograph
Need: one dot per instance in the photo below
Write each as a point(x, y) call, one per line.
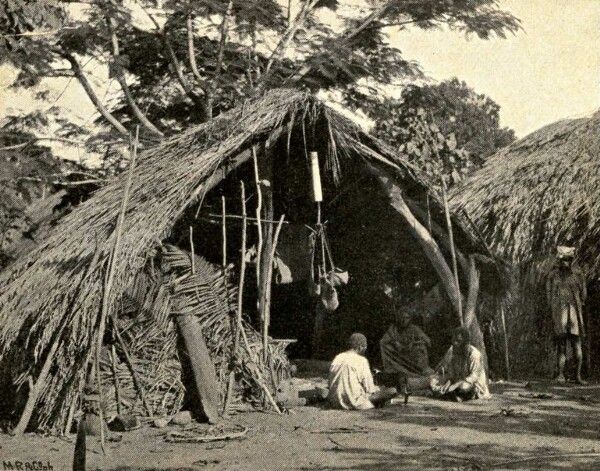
point(299, 235)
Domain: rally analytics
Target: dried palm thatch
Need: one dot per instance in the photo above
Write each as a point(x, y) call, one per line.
point(144, 324)
point(54, 295)
point(540, 192)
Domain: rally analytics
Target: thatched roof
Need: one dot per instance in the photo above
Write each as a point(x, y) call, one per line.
point(541, 191)
point(55, 284)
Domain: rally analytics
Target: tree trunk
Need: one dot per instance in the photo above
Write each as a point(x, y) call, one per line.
point(424, 238)
point(198, 371)
point(471, 321)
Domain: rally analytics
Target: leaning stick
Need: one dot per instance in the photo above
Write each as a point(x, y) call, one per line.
point(452, 250)
point(109, 280)
point(238, 318)
point(136, 381)
point(113, 367)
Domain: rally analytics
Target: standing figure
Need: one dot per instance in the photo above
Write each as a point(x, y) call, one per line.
point(404, 347)
point(566, 292)
point(461, 374)
point(351, 383)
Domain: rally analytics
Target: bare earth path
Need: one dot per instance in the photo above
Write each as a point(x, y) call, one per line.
point(424, 434)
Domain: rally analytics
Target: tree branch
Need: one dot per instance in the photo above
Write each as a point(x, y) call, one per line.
point(80, 76)
point(120, 76)
point(285, 40)
point(224, 30)
point(176, 65)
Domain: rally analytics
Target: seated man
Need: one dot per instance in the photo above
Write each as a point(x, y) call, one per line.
point(404, 347)
point(351, 382)
point(461, 374)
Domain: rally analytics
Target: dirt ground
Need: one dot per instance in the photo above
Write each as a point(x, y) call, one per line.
point(509, 431)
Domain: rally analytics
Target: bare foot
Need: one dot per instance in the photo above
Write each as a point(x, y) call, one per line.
point(581, 381)
point(561, 379)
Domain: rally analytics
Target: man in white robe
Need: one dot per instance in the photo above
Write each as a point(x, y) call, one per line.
point(351, 383)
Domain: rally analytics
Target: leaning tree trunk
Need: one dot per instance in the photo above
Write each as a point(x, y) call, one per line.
point(436, 257)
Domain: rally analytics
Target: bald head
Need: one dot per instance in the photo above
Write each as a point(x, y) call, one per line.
point(358, 343)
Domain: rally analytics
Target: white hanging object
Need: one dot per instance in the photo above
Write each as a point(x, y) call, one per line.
point(316, 178)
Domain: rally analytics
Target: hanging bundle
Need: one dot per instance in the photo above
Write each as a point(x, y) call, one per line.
point(325, 276)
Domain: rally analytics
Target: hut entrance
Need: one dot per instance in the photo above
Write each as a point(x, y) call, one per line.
point(366, 235)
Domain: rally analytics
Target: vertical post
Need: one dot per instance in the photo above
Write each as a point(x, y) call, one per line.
point(265, 166)
point(238, 318)
point(505, 334)
point(318, 199)
point(224, 234)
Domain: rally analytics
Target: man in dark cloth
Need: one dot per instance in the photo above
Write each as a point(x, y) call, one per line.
point(461, 375)
point(404, 347)
point(566, 292)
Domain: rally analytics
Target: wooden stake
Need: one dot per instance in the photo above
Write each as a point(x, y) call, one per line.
point(267, 308)
point(452, 249)
point(224, 223)
point(193, 258)
point(259, 242)
point(113, 366)
point(238, 318)
point(505, 334)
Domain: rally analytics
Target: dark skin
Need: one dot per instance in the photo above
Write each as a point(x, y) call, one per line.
point(575, 341)
point(459, 347)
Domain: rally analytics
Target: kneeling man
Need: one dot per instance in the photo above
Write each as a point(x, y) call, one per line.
point(351, 383)
point(461, 374)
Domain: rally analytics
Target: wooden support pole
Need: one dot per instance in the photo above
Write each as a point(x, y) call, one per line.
point(238, 318)
point(224, 233)
point(267, 312)
point(505, 335)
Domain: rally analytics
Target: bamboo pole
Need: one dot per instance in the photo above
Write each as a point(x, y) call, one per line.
point(238, 317)
point(109, 279)
point(452, 249)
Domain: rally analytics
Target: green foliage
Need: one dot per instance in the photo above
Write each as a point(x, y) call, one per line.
point(447, 129)
point(256, 47)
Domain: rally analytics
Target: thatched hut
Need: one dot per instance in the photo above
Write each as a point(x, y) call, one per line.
point(540, 192)
point(384, 217)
